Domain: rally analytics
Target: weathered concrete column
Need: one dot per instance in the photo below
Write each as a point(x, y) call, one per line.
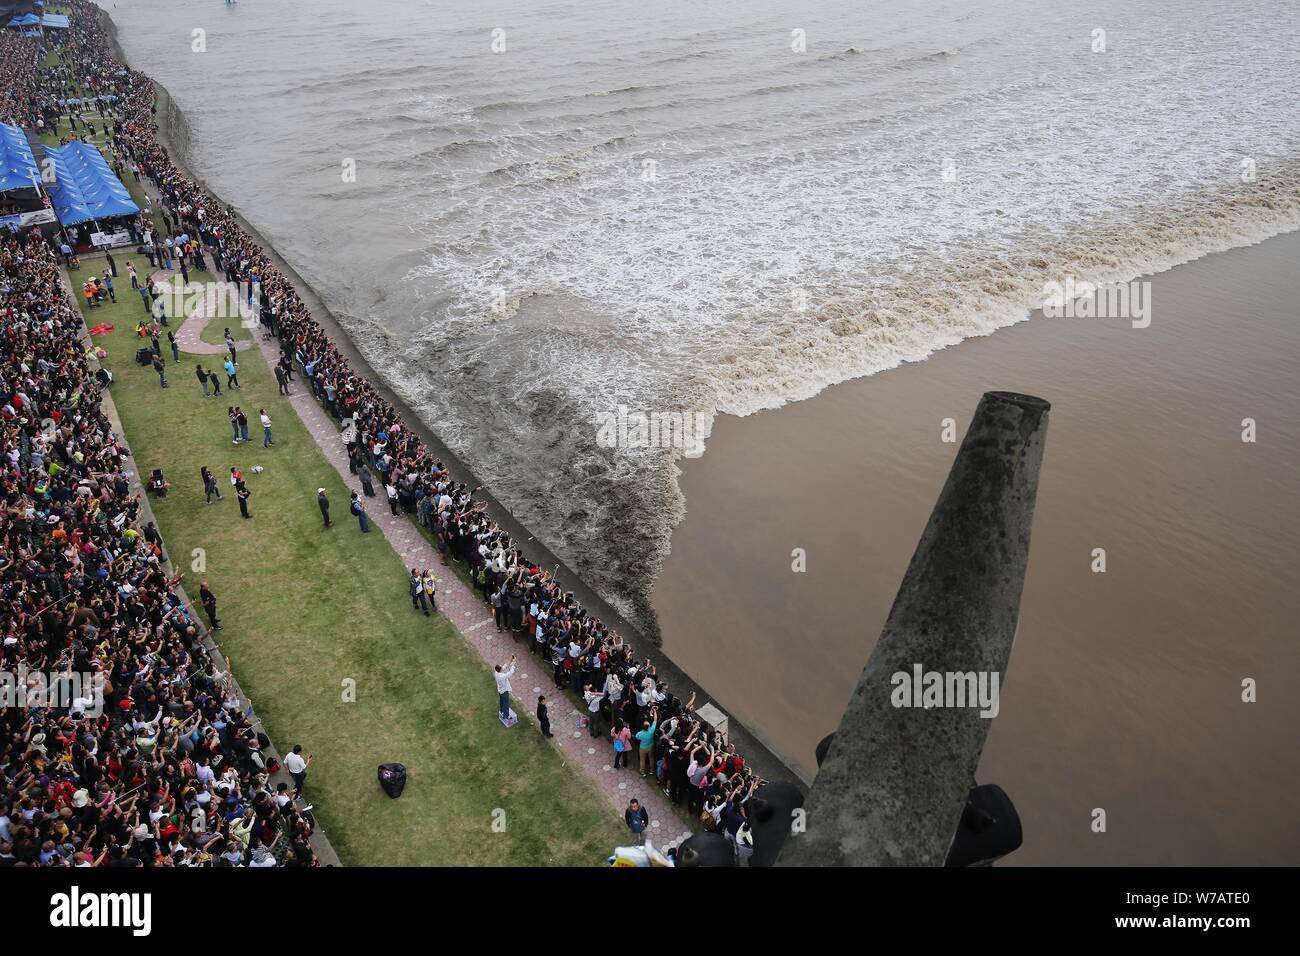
point(894, 783)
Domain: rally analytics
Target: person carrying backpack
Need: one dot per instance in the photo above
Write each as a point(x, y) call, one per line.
point(622, 737)
point(357, 509)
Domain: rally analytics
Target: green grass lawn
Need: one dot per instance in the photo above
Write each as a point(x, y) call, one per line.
point(305, 609)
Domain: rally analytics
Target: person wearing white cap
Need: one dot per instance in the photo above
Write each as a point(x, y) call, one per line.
point(323, 502)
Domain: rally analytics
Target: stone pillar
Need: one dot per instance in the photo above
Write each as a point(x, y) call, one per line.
point(895, 779)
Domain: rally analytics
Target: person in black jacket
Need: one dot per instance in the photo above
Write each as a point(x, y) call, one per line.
point(152, 536)
point(209, 602)
point(418, 602)
point(544, 717)
point(515, 601)
point(209, 484)
point(637, 821)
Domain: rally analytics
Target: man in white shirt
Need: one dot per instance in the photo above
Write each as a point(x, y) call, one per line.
point(503, 687)
point(266, 428)
point(203, 773)
point(594, 699)
point(297, 767)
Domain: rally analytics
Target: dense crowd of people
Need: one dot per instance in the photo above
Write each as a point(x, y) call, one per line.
point(20, 95)
point(154, 762)
point(131, 622)
point(122, 743)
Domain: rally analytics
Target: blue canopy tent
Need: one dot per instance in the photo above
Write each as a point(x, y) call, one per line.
point(85, 188)
point(14, 8)
point(26, 20)
point(18, 168)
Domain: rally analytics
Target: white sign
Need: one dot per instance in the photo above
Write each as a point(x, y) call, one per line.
point(102, 239)
point(25, 219)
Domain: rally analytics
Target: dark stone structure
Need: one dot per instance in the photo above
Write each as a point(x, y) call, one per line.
point(896, 780)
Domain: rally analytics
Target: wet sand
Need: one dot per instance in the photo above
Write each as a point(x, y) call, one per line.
point(1124, 689)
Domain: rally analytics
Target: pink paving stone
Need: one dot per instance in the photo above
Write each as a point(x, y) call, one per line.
point(188, 335)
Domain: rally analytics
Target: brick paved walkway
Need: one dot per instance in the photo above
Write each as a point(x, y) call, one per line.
point(468, 614)
point(189, 334)
point(187, 337)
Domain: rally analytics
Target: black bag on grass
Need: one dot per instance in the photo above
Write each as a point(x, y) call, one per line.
point(392, 777)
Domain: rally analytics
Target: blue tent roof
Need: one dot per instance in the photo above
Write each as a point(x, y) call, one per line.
point(55, 20)
point(17, 164)
point(85, 188)
point(26, 20)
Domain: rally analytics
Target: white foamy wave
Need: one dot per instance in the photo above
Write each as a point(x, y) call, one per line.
point(526, 386)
